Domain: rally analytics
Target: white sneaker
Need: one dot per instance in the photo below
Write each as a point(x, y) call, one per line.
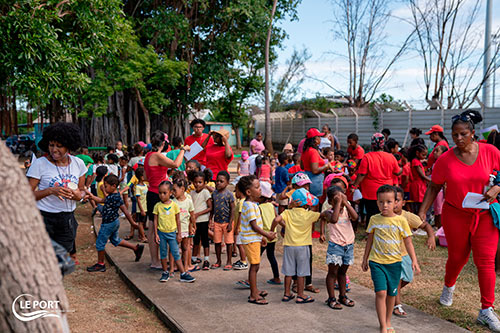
point(488, 317)
point(446, 298)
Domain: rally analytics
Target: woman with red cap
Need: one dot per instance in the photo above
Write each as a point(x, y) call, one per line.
point(436, 135)
point(467, 168)
point(312, 163)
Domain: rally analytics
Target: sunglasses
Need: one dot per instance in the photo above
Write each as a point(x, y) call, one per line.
point(461, 117)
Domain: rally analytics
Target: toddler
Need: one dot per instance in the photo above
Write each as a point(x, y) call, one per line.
point(243, 167)
point(188, 221)
point(202, 201)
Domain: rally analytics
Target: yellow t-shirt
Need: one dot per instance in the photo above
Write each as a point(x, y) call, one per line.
point(414, 222)
point(388, 234)
point(100, 193)
point(133, 181)
point(237, 211)
point(166, 216)
point(268, 213)
point(141, 191)
point(298, 226)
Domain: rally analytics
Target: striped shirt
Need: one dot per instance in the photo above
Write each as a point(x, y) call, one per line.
point(388, 234)
point(249, 212)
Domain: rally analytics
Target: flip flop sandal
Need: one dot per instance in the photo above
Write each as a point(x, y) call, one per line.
point(303, 300)
point(333, 303)
point(195, 269)
point(145, 240)
point(344, 300)
point(391, 330)
point(263, 293)
point(287, 298)
point(402, 313)
point(228, 267)
point(243, 283)
point(271, 281)
point(311, 289)
point(215, 266)
point(128, 237)
point(259, 301)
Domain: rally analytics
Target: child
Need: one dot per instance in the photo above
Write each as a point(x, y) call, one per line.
point(167, 226)
point(340, 253)
point(188, 221)
point(111, 224)
point(418, 185)
point(386, 231)
point(295, 167)
point(242, 263)
point(280, 181)
point(123, 164)
point(406, 175)
point(243, 167)
point(222, 218)
point(101, 172)
point(177, 144)
point(268, 213)
point(265, 170)
point(355, 151)
point(140, 192)
point(251, 234)
point(298, 223)
point(112, 164)
point(438, 203)
point(406, 270)
point(202, 201)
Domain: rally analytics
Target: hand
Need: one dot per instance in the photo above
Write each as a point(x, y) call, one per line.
point(293, 204)
point(364, 266)
point(211, 224)
point(423, 217)
point(264, 242)
point(186, 148)
point(415, 267)
point(492, 193)
point(179, 237)
point(135, 224)
point(157, 239)
point(229, 227)
point(192, 230)
point(143, 213)
point(62, 192)
point(322, 238)
point(271, 235)
point(431, 243)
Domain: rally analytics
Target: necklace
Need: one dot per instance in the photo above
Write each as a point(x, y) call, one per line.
point(65, 172)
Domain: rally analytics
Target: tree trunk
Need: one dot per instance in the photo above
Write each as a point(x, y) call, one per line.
point(268, 140)
point(27, 261)
point(120, 113)
point(238, 138)
point(147, 121)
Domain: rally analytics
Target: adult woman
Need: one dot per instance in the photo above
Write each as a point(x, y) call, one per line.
point(219, 154)
point(466, 168)
point(256, 145)
point(312, 163)
point(375, 169)
point(198, 125)
point(156, 166)
point(58, 181)
point(329, 140)
point(436, 135)
point(415, 137)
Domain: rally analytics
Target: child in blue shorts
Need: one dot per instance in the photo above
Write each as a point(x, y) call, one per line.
point(340, 253)
point(111, 224)
point(386, 231)
point(167, 227)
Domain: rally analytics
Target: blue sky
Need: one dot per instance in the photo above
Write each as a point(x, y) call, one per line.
point(313, 30)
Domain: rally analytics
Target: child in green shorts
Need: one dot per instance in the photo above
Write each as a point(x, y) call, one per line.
point(386, 231)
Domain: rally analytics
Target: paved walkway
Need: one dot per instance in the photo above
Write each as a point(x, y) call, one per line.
point(214, 303)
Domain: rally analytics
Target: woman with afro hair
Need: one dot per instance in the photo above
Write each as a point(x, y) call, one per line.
point(57, 180)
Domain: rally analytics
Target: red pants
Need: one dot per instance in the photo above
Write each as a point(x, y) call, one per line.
point(465, 232)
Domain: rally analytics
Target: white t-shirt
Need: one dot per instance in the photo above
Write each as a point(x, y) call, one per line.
point(134, 160)
point(200, 203)
point(324, 143)
point(118, 153)
point(252, 167)
point(113, 169)
point(52, 176)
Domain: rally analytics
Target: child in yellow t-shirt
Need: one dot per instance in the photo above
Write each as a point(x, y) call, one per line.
point(167, 227)
point(386, 231)
point(140, 192)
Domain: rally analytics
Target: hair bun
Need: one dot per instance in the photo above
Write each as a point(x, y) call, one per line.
point(475, 116)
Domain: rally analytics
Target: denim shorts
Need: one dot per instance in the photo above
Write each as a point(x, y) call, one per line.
point(340, 255)
point(169, 240)
point(108, 231)
point(406, 269)
point(386, 276)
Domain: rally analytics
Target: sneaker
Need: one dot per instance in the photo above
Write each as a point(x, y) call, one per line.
point(488, 317)
point(206, 265)
point(186, 277)
point(138, 252)
point(97, 268)
point(446, 298)
point(240, 265)
point(165, 276)
point(237, 264)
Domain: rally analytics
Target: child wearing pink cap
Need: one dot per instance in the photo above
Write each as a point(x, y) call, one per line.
point(243, 167)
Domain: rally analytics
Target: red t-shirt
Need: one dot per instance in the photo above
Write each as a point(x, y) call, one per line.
point(406, 175)
point(378, 166)
point(216, 159)
point(200, 157)
point(418, 186)
point(356, 153)
point(296, 168)
point(310, 156)
point(431, 160)
point(461, 178)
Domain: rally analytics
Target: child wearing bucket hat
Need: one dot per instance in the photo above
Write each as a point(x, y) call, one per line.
point(298, 223)
point(243, 167)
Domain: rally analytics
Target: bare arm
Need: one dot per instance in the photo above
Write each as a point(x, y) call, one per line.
point(208, 210)
point(317, 170)
point(278, 220)
point(421, 174)
point(368, 248)
point(227, 148)
point(128, 216)
point(155, 226)
point(205, 142)
point(163, 160)
point(231, 214)
point(178, 222)
point(431, 238)
point(430, 195)
point(260, 231)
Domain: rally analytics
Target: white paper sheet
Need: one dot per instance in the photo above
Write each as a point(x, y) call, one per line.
point(475, 200)
point(357, 195)
point(195, 150)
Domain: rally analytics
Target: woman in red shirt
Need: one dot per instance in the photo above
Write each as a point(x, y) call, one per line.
point(312, 163)
point(156, 166)
point(466, 168)
point(376, 169)
point(219, 154)
point(436, 135)
point(198, 125)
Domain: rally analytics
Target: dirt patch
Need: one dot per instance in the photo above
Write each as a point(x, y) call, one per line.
point(102, 302)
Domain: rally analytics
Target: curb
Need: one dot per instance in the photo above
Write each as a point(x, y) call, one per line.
point(160, 312)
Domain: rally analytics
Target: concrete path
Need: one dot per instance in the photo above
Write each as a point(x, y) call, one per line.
point(214, 303)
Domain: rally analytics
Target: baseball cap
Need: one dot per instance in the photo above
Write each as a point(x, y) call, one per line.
point(312, 132)
point(142, 144)
point(304, 197)
point(351, 163)
point(338, 168)
point(301, 179)
point(266, 190)
point(244, 155)
point(434, 128)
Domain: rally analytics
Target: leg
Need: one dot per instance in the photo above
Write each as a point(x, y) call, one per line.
point(272, 261)
point(397, 299)
point(229, 251)
point(252, 279)
point(497, 259)
point(142, 236)
point(243, 256)
point(100, 257)
point(129, 245)
point(300, 286)
point(342, 280)
point(205, 240)
point(218, 250)
point(331, 277)
point(288, 285)
point(381, 306)
point(308, 278)
point(153, 247)
point(388, 310)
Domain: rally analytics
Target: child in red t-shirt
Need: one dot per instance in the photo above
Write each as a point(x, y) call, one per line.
point(418, 185)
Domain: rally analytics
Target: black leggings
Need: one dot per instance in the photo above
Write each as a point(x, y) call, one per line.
point(309, 277)
point(201, 234)
point(152, 199)
point(371, 209)
point(269, 248)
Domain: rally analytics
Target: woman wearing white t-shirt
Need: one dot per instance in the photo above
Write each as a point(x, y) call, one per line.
point(58, 181)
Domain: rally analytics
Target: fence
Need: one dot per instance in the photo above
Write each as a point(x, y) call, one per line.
point(293, 129)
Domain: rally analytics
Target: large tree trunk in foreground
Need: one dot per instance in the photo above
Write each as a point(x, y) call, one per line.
point(28, 263)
